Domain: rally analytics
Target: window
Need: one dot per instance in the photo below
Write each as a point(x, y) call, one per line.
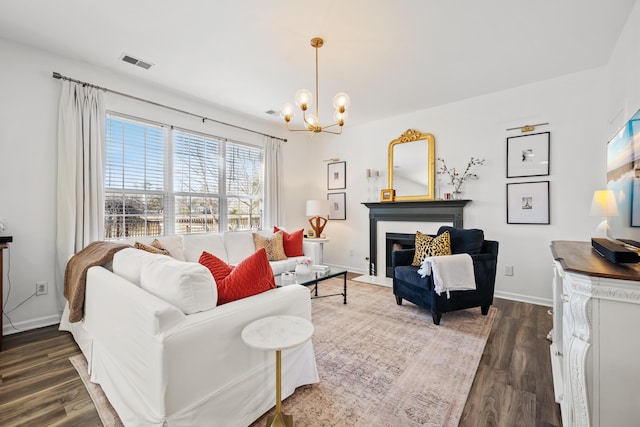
point(160, 180)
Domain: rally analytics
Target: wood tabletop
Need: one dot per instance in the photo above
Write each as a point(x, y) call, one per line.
point(579, 257)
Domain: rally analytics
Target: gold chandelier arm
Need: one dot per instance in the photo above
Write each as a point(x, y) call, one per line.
point(330, 126)
point(330, 131)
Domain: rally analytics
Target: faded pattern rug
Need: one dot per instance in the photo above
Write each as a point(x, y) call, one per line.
point(107, 414)
point(382, 364)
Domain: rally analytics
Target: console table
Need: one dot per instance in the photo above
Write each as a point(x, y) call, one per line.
point(595, 354)
point(3, 246)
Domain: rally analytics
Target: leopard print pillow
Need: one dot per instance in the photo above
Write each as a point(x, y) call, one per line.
point(155, 248)
point(274, 245)
point(431, 246)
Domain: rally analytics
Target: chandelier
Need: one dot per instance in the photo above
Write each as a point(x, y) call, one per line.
point(303, 100)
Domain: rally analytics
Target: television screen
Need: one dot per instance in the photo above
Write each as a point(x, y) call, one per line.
point(623, 178)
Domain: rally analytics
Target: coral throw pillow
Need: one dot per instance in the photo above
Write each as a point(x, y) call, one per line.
point(274, 246)
point(431, 246)
point(292, 242)
point(251, 277)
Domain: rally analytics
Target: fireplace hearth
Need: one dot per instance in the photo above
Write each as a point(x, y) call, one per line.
point(438, 211)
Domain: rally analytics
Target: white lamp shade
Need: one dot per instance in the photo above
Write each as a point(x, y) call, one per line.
point(604, 204)
point(317, 207)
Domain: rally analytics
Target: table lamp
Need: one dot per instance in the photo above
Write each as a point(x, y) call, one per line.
point(317, 209)
point(604, 204)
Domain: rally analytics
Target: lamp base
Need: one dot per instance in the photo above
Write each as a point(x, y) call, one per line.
point(317, 224)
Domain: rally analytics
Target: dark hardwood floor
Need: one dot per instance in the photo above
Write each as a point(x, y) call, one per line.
point(513, 385)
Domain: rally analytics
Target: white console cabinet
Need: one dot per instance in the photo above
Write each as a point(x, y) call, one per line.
point(595, 353)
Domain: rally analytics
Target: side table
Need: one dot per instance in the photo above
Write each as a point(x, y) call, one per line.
point(318, 241)
point(278, 333)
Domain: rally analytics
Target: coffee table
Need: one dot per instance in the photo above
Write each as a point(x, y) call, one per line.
point(316, 278)
point(278, 333)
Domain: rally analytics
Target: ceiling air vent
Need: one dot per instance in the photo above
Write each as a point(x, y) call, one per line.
point(135, 61)
point(272, 112)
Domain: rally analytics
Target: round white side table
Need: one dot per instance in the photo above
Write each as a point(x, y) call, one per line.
point(278, 333)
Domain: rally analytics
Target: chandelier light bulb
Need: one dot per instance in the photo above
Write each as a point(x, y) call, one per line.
point(286, 112)
point(339, 117)
point(303, 99)
point(341, 102)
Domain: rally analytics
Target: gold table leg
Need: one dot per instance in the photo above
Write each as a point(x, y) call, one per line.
point(279, 419)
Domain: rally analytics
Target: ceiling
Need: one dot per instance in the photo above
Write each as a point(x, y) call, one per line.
point(390, 57)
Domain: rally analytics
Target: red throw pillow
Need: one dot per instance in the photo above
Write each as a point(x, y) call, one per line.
point(218, 268)
point(252, 276)
point(292, 242)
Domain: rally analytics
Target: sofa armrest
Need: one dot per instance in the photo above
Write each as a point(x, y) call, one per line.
point(484, 269)
point(402, 257)
point(312, 250)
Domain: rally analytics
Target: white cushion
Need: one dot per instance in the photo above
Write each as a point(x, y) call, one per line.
point(127, 263)
point(187, 285)
point(239, 245)
point(195, 244)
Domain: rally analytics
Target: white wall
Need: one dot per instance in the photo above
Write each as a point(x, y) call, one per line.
point(584, 110)
point(574, 107)
point(28, 137)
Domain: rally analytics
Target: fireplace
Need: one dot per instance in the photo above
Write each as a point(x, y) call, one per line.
point(433, 211)
point(394, 242)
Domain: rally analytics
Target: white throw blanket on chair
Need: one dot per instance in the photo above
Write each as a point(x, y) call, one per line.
point(450, 272)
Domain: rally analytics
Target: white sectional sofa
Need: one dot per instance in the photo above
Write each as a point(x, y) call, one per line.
point(231, 247)
point(161, 367)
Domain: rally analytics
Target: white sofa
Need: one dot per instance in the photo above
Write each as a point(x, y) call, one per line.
point(161, 367)
point(231, 247)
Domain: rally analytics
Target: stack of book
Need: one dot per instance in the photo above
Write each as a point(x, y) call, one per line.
point(321, 270)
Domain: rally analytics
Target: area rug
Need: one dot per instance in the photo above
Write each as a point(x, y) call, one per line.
point(387, 365)
point(107, 414)
point(379, 363)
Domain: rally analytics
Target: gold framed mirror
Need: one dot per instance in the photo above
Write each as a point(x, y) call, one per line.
point(411, 168)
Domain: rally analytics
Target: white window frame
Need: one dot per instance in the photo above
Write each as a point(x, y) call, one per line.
point(169, 194)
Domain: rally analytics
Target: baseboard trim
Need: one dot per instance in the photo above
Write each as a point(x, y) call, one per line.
point(523, 298)
point(27, 325)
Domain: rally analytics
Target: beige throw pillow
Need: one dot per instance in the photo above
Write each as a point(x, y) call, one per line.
point(272, 245)
point(155, 248)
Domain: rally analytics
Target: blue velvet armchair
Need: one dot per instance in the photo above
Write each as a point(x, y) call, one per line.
point(409, 285)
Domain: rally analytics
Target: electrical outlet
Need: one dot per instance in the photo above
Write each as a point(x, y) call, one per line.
point(351, 252)
point(508, 270)
point(42, 288)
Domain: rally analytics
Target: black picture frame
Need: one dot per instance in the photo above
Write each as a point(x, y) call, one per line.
point(337, 176)
point(337, 206)
point(528, 155)
point(528, 203)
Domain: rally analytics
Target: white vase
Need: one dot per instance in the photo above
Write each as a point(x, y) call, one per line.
point(303, 270)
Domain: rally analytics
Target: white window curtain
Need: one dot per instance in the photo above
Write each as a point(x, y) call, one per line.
point(273, 212)
point(80, 186)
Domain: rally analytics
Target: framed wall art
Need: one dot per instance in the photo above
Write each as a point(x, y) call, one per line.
point(528, 203)
point(337, 176)
point(337, 205)
point(528, 155)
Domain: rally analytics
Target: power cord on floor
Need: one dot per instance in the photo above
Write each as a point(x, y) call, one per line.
point(5, 313)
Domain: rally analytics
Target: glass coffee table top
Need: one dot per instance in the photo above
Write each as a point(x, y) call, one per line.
point(314, 279)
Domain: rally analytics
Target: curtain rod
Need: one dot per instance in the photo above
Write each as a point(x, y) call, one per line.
point(157, 104)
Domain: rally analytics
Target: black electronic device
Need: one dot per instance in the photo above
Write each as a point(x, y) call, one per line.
point(614, 252)
point(6, 239)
